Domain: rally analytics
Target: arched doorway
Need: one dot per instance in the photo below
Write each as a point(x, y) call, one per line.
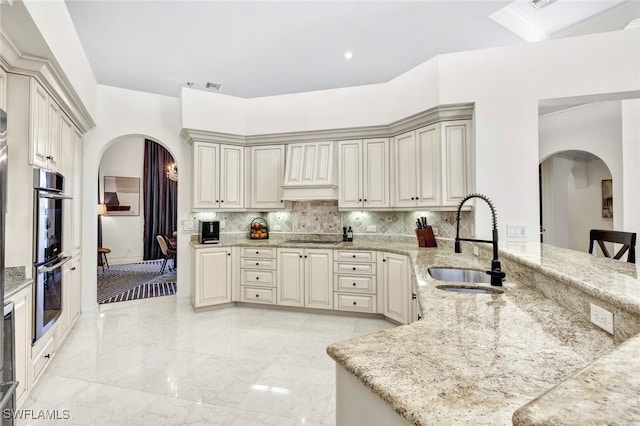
point(571, 198)
point(138, 197)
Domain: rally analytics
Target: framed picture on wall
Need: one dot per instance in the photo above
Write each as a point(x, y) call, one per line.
point(607, 198)
point(122, 196)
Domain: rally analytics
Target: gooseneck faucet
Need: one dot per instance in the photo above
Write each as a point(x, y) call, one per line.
point(496, 271)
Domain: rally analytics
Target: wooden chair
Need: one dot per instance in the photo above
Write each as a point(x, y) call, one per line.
point(627, 239)
point(166, 252)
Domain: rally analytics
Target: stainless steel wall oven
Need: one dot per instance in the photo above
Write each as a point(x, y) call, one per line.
point(48, 258)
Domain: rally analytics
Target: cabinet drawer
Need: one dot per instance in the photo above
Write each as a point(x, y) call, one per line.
point(355, 302)
point(354, 283)
point(42, 358)
point(355, 255)
point(259, 295)
point(258, 263)
point(355, 268)
point(261, 278)
point(258, 252)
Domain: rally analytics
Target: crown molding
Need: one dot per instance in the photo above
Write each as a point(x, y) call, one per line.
point(50, 76)
point(424, 118)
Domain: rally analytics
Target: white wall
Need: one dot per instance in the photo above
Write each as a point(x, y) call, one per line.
point(124, 113)
point(124, 234)
point(631, 165)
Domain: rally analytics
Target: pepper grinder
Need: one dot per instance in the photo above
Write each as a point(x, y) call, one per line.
point(344, 233)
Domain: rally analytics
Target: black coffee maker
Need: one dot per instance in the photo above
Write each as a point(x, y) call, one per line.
point(209, 232)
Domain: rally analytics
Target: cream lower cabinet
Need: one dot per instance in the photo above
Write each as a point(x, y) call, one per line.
point(355, 281)
point(258, 275)
point(305, 277)
point(22, 317)
point(71, 299)
point(211, 284)
point(394, 269)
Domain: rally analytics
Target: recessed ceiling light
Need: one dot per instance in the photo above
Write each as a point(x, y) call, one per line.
point(539, 4)
point(348, 55)
point(214, 86)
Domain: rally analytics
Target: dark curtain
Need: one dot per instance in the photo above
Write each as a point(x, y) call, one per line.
point(160, 198)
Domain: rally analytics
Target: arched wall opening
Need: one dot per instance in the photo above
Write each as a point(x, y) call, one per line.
point(573, 184)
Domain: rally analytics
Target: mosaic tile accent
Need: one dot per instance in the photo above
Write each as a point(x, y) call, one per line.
point(323, 217)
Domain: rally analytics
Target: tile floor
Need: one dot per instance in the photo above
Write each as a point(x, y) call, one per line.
point(156, 362)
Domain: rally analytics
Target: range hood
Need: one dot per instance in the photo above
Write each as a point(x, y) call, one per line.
point(310, 172)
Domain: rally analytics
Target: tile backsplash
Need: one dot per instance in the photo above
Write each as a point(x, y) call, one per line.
point(323, 217)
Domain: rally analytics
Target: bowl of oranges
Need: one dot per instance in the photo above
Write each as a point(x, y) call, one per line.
point(259, 229)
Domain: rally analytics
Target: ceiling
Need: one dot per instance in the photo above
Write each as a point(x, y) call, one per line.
point(264, 48)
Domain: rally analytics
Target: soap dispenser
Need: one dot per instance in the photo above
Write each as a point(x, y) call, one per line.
point(349, 234)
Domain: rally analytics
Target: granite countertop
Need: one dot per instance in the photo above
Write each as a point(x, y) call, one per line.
point(15, 281)
point(477, 358)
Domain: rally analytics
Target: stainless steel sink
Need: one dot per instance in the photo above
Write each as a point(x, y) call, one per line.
point(469, 289)
point(460, 275)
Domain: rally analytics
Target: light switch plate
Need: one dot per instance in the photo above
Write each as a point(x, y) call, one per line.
point(277, 227)
point(187, 225)
point(516, 231)
point(371, 228)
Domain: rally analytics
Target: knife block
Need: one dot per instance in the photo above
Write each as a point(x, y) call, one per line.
point(426, 237)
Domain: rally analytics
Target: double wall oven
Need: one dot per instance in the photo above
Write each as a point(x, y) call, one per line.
point(48, 258)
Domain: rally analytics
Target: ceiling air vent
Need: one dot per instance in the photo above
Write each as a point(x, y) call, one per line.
point(539, 4)
point(213, 86)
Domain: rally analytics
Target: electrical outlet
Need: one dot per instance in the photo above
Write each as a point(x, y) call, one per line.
point(476, 251)
point(602, 318)
point(222, 224)
point(371, 228)
point(517, 231)
point(276, 228)
point(435, 230)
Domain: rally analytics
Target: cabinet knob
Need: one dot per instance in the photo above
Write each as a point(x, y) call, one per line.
point(354, 256)
point(257, 263)
point(257, 295)
point(354, 284)
point(300, 256)
point(419, 317)
point(257, 252)
point(228, 254)
point(412, 198)
point(47, 356)
point(222, 201)
point(257, 278)
point(365, 200)
point(305, 256)
point(354, 268)
point(384, 260)
point(73, 269)
point(417, 198)
point(282, 201)
point(217, 201)
point(354, 303)
point(414, 296)
point(360, 199)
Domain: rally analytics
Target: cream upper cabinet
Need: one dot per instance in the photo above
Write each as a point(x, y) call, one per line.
point(456, 141)
point(66, 146)
point(211, 284)
point(267, 173)
point(310, 171)
point(305, 277)
point(39, 125)
point(431, 164)
point(218, 176)
point(396, 286)
point(363, 174)
point(76, 182)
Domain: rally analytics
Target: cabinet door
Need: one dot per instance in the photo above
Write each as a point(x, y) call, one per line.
point(54, 149)
point(350, 174)
point(290, 284)
point(428, 169)
point(205, 175)
point(39, 125)
point(75, 300)
point(405, 170)
point(231, 177)
point(318, 266)
point(455, 140)
point(267, 171)
point(212, 277)
point(64, 318)
point(65, 163)
point(76, 211)
point(376, 173)
point(22, 317)
point(395, 278)
point(3, 89)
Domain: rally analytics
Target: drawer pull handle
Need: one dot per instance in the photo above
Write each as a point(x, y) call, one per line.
point(47, 356)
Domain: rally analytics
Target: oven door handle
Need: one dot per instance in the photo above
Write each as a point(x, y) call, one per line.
point(54, 195)
point(64, 260)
